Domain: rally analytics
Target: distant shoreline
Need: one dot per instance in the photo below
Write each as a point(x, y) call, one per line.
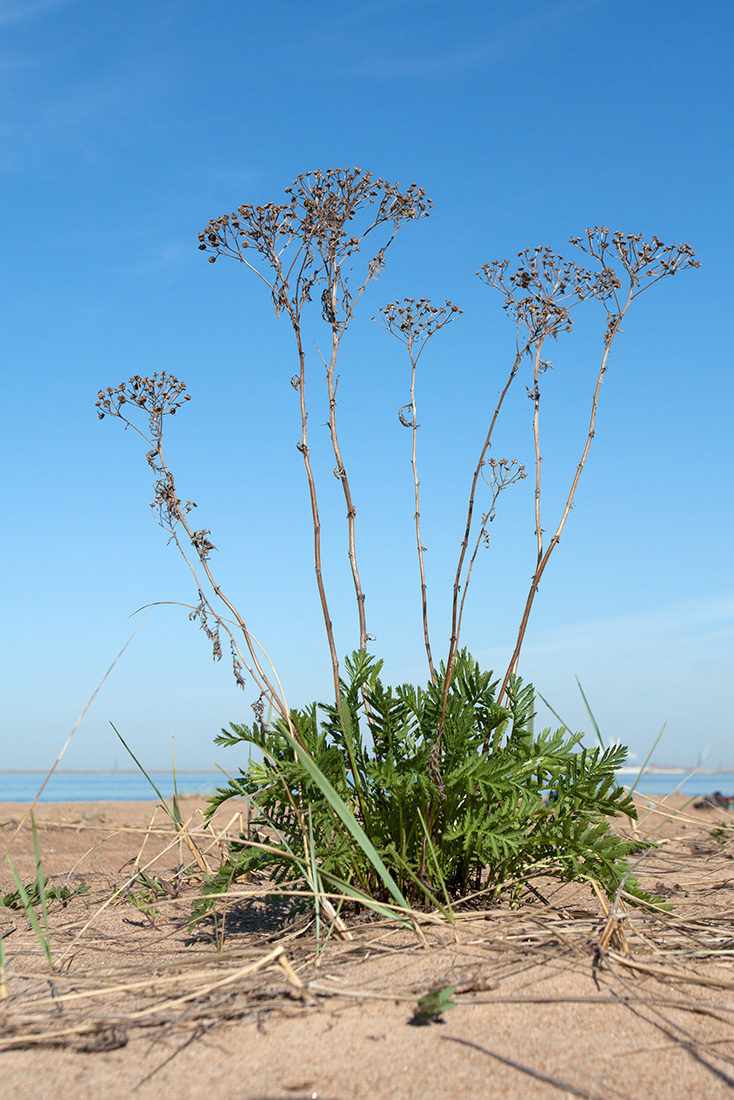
point(626, 770)
point(115, 771)
point(653, 769)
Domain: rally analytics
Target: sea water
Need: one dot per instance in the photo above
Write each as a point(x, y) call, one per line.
point(692, 785)
point(104, 786)
point(126, 786)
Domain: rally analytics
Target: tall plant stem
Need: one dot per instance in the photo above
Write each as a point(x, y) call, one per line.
point(536, 443)
point(340, 471)
point(416, 486)
point(455, 620)
point(305, 452)
point(414, 323)
point(499, 483)
point(543, 558)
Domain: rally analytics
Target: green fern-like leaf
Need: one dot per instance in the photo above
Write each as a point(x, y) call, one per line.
point(510, 798)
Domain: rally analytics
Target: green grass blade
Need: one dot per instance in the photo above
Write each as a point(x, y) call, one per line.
point(353, 893)
point(315, 884)
point(176, 808)
point(591, 715)
point(448, 911)
point(345, 719)
point(130, 752)
point(30, 913)
point(40, 877)
point(645, 762)
point(348, 819)
point(554, 712)
point(428, 894)
point(3, 983)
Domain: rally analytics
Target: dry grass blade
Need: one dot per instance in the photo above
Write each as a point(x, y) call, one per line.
point(20, 1033)
point(66, 744)
point(157, 981)
point(565, 1086)
point(114, 897)
point(684, 1039)
point(174, 814)
point(241, 972)
point(681, 974)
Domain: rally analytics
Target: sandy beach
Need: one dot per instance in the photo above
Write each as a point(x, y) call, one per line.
point(551, 995)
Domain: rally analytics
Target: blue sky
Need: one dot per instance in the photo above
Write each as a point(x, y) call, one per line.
point(126, 127)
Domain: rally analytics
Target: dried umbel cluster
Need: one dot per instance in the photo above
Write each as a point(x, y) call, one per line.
point(326, 202)
point(641, 259)
point(413, 322)
point(298, 248)
point(156, 396)
point(159, 394)
point(305, 240)
point(540, 294)
point(642, 262)
point(502, 472)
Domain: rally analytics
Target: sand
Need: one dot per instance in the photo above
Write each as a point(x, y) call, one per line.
point(551, 998)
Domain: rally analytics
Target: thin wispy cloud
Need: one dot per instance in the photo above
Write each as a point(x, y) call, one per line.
point(159, 258)
point(681, 621)
point(503, 46)
point(85, 118)
point(20, 11)
point(672, 643)
point(358, 12)
point(667, 664)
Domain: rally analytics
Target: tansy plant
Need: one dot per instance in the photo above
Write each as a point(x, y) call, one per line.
point(408, 795)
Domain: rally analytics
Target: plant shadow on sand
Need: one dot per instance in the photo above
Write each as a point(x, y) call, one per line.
point(526, 980)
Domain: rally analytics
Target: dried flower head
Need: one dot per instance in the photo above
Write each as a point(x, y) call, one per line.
point(305, 240)
point(414, 321)
point(540, 294)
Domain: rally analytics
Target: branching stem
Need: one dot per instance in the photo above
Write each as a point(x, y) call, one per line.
point(543, 558)
point(315, 519)
point(340, 472)
point(416, 488)
point(455, 612)
point(413, 323)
